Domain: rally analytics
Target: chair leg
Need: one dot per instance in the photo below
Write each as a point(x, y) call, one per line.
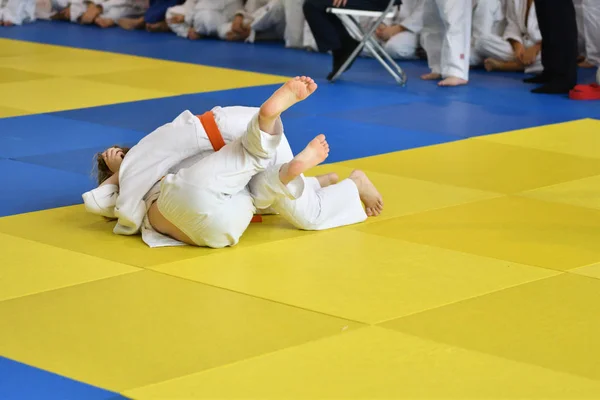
point(379, 53)
point(372, 46)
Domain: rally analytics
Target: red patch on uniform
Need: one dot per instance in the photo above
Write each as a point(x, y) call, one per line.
point(462, 56)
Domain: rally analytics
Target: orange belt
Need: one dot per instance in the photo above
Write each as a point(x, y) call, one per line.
point(216, 139)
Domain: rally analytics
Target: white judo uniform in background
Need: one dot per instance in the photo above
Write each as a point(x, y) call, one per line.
point(588, 23)
point(522, 27)
point(17, 12)
point(404, 44)
point(207, 17)
point(210, 196)
point(446, 36)
point(76, 9)
point(117, 9)
point(489, 19)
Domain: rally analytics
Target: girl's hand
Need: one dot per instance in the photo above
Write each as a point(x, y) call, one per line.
point(113, 158)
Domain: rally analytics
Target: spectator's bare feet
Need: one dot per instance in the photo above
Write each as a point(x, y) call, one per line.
point(131, 23)
point(491, 64)
point(328, 179)
point(104, 22)
point(586, 64)
point(432, 76)
point(93, 11)
point(369, 195)
point(158, 27)
point(453, 81)
point(193, 35)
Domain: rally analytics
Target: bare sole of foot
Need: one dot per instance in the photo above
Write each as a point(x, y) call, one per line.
point(161, 26)
point(453, 81)
point(313, 154)
point(369, 195)
point(328, 179)
point(293, 91)
point(431, 77)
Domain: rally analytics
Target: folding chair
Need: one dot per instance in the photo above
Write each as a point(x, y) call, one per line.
point(367, 39)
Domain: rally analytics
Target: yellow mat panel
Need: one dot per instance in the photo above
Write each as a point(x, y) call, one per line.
point(552, 323)
point(374, 363)
point(72, 228)
point(582, 192)
point(373, 279)
point(11, 112)
point(404, 196)
point(142, 328)
point(29, 267)
point(88, 78)
point(483, 165)
point(589, 270)
point(186, 78)
point(579, 138)
point(522, 230)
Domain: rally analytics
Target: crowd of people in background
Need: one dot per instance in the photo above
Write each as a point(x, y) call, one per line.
point(454, 35)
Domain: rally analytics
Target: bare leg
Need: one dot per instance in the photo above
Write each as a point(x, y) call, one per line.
point(93, 11)
point(491, 64)
point(193, 35)
point(131, 23)
point(328, 179)
point(368, 193)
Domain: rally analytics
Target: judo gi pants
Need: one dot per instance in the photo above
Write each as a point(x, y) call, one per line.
point(494, 46)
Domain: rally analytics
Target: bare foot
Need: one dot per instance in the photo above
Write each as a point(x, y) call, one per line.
point(131, 23)
point(453, 81)
point(328, 179)
point(104, 22)
point(193, 35)
point(158, 27)
point(314, 154)
point(177, 19)
point(369, 195)
point(90, 15)
point(491, 64)
point(432, 76)
point(290, 93)
point(586, 64)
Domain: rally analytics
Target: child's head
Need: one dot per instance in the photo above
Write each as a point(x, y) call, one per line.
point(102, 170)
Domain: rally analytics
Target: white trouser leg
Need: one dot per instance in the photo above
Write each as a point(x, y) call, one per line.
point(181, 29)
point(294, 23)
point(493, 46)
point(306, 205)
point(208, 22)
point(456, 16)
point(209, 201)
point(403, 45)
point(591, 23)
point(122, 9)
point(432, 35)
point(19, 11)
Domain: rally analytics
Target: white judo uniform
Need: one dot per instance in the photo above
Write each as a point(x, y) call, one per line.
point(210, 196)
point(446, 36)
point(489, 19)
point(17, 12)
point(521, 27)
point(117, 9)
point(265, 17)
point(588, 23)
point(404, 45)
point(76, 9)
point(207, 17)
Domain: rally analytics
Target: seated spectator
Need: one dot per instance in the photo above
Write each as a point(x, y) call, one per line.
point(106, 13)
point(16, 12)
point(154, 20)
point(197, 18)
point(489, 19)
point(401, 36)
point(259, 20)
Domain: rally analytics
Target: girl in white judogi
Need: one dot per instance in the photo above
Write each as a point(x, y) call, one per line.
point(489, 19)
point(258, 20)
point(588, 22)
point(16, 12)
point(208, 198)
point(106, 13)
point(446, 38)
point(520, 48)
point(401, 35)
point(197, 18)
